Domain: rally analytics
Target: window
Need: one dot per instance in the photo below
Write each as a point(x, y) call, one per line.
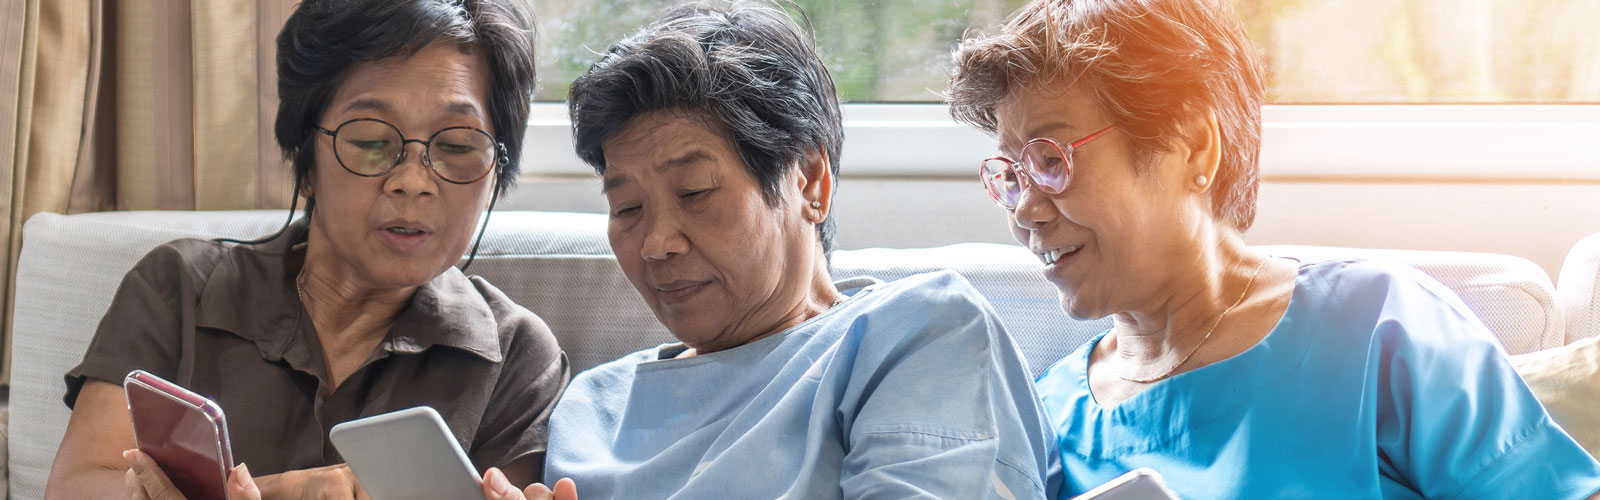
point(1317, 51)
point(1361, 88)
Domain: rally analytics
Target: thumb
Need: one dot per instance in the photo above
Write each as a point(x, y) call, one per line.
point(566, 489)
point(537, 491)
point(497, 487)
point(241, 486)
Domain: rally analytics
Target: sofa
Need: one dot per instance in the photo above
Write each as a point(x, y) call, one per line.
point(560, 266)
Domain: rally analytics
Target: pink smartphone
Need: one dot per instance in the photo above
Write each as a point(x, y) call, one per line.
point(183, 432)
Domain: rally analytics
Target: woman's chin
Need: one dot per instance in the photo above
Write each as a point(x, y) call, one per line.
point(406, 276)
point(1076, 307)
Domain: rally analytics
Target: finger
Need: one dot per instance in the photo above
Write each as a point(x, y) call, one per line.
point(241, 486)
point(130, 483)
point(357, 491)
point(566, 489)
point(496, 487)
point(155, 482)
point(537, 491)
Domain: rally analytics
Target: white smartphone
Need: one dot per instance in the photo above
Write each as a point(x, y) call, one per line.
point(407, 455)
point(1137, 484)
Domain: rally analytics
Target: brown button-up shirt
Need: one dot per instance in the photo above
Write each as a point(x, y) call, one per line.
point(225, 321)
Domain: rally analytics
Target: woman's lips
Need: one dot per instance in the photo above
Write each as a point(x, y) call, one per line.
point(1057, 260)
point(679, 291)
point(404, 237)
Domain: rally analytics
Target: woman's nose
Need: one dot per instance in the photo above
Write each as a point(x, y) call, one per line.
point(1033, 208)
point(663, 239)
point(411, 175)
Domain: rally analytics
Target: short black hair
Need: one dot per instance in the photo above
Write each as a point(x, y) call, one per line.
point(324, 39)
point(746, 68)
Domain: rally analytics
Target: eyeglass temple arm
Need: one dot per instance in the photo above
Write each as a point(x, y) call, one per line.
point(1091, 137)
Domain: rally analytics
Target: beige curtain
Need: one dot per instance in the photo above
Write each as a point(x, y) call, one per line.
point(135, 105)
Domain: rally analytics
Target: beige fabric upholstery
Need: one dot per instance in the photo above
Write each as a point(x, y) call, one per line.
point(1567, 380)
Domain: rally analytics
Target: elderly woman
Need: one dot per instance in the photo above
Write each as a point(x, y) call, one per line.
point(1129, 132)
point(717, 133)
point(403, 120)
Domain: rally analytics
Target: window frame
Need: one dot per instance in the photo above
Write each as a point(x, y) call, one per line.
point(1341, 142)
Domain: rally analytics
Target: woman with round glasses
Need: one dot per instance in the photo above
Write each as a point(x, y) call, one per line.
point(1129, 132)
point(716, 130)
point(404, 122)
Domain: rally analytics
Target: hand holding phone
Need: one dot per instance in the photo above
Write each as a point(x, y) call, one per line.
point(183, 432)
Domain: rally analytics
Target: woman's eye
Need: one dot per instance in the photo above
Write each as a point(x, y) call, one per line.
point(370, 145)
point(695, 195)
point(456, 149)
point(625, 211)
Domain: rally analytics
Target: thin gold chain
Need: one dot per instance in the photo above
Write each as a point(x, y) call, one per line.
point(1203, 340)
point(300, 288)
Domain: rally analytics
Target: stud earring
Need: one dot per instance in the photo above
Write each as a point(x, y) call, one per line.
point(816, 204)
point(1200, 180)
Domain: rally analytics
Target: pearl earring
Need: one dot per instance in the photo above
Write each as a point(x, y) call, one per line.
point(816, 204)
point(1200, 180)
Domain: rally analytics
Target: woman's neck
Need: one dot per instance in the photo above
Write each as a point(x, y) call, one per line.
point(818, 297)
point(1199, 290)
point(349, 319)
point(341, 307)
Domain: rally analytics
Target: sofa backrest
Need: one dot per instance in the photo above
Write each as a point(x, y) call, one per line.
point(559, 265)
point(1579, 289)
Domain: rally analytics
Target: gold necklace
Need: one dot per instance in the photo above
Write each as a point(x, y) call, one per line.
point(299, 286)
point(1203, 340)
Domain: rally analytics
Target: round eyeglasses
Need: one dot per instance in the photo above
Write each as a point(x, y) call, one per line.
point(370, 147)
point(1044, 163)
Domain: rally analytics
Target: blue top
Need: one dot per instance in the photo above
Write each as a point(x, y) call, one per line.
point(909, 389)
point(1377, 383)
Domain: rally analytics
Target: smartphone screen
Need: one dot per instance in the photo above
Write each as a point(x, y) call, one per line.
point(183, 432)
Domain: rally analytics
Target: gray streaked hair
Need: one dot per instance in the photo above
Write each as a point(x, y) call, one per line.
point(747, 69)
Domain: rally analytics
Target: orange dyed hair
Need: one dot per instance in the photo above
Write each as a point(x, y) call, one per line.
point(1149, 66)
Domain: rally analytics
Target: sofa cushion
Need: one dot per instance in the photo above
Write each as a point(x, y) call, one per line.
point(1512, 295)
point(1579, 289)
point(1567, 380)
point(559, 265)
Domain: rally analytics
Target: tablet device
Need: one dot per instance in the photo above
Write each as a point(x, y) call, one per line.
point(407, 455)
point(183, 432)
point(1137, 484)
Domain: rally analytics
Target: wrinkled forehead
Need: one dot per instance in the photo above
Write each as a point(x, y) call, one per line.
point(1060, 112)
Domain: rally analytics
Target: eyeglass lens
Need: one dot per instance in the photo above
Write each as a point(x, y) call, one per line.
point(1045, 163)
point(371, 148)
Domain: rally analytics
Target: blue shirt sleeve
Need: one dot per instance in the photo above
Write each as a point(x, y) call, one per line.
point(906, 438)
point(1455, 420)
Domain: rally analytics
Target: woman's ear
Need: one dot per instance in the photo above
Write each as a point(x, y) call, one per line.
point(1201, 149)
point(816, 185)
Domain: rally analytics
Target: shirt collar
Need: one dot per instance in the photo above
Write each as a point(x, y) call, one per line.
point(252, 295)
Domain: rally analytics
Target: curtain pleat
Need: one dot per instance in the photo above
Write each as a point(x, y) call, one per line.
point(52, 97)
point(225, 111)
point(155, 110)
point(160, 105)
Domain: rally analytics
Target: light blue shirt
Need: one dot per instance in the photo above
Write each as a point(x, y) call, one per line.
point(909, 389)
point(1377, 383)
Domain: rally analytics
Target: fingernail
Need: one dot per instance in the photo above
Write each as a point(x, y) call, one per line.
point(241, 473)
point(497, 480)
point(130, 456)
